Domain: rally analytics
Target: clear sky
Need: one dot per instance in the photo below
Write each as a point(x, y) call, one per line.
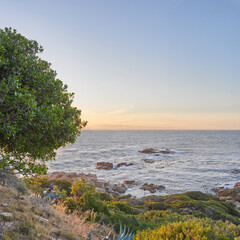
point(140, 64)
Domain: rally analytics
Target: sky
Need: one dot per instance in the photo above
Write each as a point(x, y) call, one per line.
point(140, 64)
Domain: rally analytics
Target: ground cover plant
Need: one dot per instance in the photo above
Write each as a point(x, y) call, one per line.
point(190, 215)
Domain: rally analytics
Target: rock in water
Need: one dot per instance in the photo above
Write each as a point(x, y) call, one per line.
point(149, 150)
point(152, 150)
point(104, 165)
point(151, 187)
point(124, 164)
point(129, 182)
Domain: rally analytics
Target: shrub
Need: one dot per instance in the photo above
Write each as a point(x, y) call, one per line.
point(85, 197)
point(38, 184)
point(121, 206)
point(105, 196)
point(156, 206)
point(194, 229)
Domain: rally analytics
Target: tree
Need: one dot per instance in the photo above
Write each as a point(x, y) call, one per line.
point(36, 112)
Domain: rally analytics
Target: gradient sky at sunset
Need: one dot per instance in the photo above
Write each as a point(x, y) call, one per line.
point(140, 64)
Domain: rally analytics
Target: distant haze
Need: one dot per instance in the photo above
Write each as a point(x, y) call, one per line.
point(156, 64)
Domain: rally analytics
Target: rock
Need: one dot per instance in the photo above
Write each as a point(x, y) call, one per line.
point(7, 216)
point(124, 164)
point(104, 165)
point(235, 171)
point(43, 220)
point(89, 175)
point(148, 160)
point(100, 184)
point(5, 205)
point(154, 198)
point(1, 231)
point(72, 175)
point(8, 224)
point(119, 189)
point(237, 184)
point(152, 150)
point(149, 150)
point(151, 187)
point(166, 151)
point(129, 182)
point(216, 190)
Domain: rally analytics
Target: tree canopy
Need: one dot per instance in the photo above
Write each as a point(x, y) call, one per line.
point(36, 112)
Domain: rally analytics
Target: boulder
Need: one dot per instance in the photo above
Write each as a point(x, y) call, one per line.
point(152, 150)
point(124, 164)
point(104, 165)
point(235, 171)
point(119, 189)
point(129, 182)
point(151, 187)
point(149, 150)
point(148, 160)
point(7, 216)
point(100, 184)
point(237, 184)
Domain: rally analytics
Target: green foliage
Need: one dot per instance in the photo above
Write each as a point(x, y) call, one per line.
point(52, 196)
point(156, 206)
point(38, 184)
point(105, 196)
point(201, 205)
point(118, 219)
point(85, 197)
point(121, 206)
point(157, 218)
point(124, 234)
point(36, 113)
point(194, 229)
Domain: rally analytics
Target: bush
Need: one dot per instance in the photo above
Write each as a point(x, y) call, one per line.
point(156, 206)
point(85, 197)
point(194, 229)
point(127, 220)
point(38, 184)
point(105, 196)
point(121, 206)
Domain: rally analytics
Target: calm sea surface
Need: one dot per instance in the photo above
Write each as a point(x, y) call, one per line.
point(203, 159)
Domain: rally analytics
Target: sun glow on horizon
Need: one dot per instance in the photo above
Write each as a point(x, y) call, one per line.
point(120, 120)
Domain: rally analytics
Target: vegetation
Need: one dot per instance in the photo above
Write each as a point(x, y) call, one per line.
point(190, 215)
point(36, 113)
point(195, 214)
point(35, 219)
point(194, 229)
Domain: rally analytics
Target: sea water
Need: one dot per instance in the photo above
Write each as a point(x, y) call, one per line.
point(201, 160)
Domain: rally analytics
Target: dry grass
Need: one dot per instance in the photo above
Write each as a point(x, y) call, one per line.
point(78, 224)
point(28, 222)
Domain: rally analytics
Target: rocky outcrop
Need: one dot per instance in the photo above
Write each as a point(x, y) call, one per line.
point(129, 182)
point(100, 184)
point(151, 187)
point(124, 164)
point(152, 150)
point(229, 195)
point(116, 189)
point(149, 150)
point(109, 166)
point(148, 160)
point(104, 165)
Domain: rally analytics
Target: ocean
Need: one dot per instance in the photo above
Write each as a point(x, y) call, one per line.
point(202, 159)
